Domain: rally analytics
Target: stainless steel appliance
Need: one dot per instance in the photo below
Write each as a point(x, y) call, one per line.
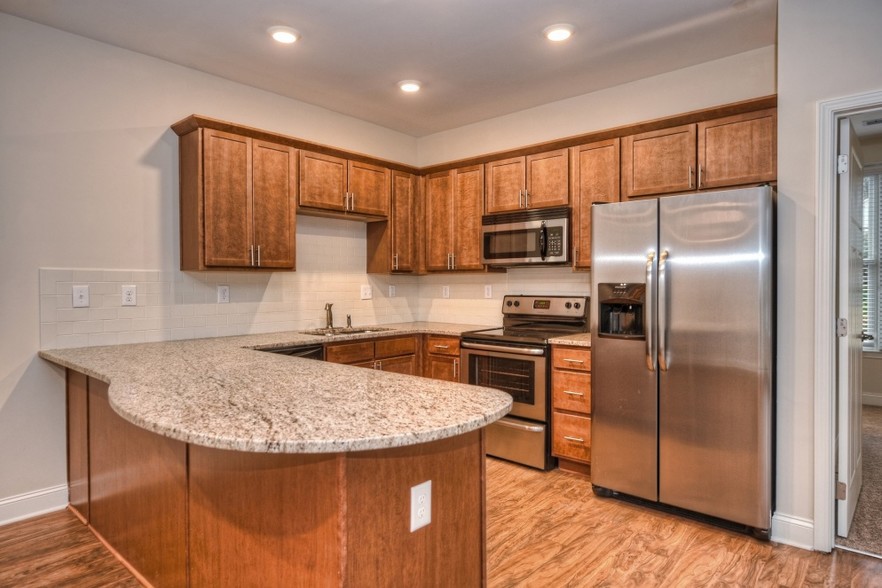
point(515, 359)
point(306, 351)
point(530, 237)
point(683, 353)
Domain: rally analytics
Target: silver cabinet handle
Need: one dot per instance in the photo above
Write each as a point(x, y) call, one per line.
point(662, 311)
point(442, 346)
point(252, 254)
point(378, 365)
point(691, 174)
point(574, 439)
point(504, 348)
point(395, 261)
point(648, 323)
point(345, 200)
point(258, 256)
point(456, 370)
point(352, 201)
point(699, 176)
point(569, 360)
point(521, 427)
point(571, 393)
point(526, 198)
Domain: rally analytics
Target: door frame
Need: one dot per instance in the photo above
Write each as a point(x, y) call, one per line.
point(826, 380)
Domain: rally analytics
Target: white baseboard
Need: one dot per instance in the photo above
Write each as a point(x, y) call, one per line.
point(795, 531)
point(872, 398)
point(31, 504)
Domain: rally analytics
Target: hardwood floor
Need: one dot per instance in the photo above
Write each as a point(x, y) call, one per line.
point(544, 529)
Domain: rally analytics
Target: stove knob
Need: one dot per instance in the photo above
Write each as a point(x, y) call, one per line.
point(517, 303)
point(578, 305)
point(570, 305)
point(508, 302)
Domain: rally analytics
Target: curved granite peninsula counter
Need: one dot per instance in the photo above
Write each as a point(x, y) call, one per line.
point(206, 463)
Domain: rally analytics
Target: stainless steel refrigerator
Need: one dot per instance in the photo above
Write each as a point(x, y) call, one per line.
point(682, 353)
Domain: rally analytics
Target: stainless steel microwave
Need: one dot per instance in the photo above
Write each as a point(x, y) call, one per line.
point(532, 237)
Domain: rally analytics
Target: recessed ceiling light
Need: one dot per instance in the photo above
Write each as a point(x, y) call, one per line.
point(558, 32)
point(282, 34)
point(409, 86)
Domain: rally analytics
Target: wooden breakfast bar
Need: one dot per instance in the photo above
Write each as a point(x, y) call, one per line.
point(207, 463)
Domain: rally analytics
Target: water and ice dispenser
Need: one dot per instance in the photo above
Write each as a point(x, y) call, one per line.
point(621, 310)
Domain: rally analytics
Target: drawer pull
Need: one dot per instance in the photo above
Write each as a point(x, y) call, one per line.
point(568, 360)
point(571, 393)
point(442, 346)
point(574, 439)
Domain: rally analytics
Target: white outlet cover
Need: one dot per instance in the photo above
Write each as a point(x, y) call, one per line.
point(391, 291)
point(488, 291)
point(130, 295)
point(366, 292)
point(81, 296)
point(420, 505)
point(223, 294)
point(445, 291)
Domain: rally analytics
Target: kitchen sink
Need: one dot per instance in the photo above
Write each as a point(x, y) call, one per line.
point(330, 332)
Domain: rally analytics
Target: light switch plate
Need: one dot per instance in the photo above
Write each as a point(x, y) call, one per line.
point(81, 296)
point(366, 292)
point(223, 294)
point(420, 505)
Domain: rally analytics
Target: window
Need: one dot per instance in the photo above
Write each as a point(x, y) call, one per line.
point(872, 221)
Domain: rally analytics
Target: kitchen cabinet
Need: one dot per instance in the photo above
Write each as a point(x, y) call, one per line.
point(729, 151)
point(78, 443)
point(391, 245)
point(595, 178)
point(441, 358)
point(571, 407)
point(453, 219)
point(393, 354)
point(237, 202)
point(533, 181)
point(330, 184)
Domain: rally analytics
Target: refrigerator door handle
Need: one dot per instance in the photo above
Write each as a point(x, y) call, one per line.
point(662, 311)
point(649, 322)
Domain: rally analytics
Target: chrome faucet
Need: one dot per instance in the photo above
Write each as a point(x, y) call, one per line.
point(329, 316)
point(348, 321)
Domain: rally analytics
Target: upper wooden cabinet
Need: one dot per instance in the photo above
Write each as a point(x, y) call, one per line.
point(659, 162)
point(391, 245)
point(739, 149)
point(532, 181)
point(731, 151)
point(237, 202)
point(336, 185)
point(595, 178)
point(453, 219)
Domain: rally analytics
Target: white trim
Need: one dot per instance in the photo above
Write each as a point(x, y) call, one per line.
point(31, 504)
point(829, 113)
point(872, 399)
point(791, 530)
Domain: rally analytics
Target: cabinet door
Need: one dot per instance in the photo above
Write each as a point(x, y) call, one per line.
point(227, 199)
point(505, 185)
point(571, 391)
point(399, 365)
point(439, 220)
point(442, 345)
point(468, 196)
point(548, 179)
point(403, 227)
point(323, 181)
point(274, 181)
point(395, 346)
point(595, 179)
point(369, 186)
point(571, 436)
point(739, 149)
point(659, 162)
point(441, 367)
point(353, 353)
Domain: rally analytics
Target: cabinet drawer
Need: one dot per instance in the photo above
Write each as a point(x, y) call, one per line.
point(399, 365)
point(442, 345)
point(350, 352)
point(571, 391)
point(571, 358)
point(571, 436)
point(395, 347)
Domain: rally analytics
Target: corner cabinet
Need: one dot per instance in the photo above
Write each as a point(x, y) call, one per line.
point(392, 354)
point(237, 202)
point(533, 181)
point(453, 219)
point(330, 184)
point(595, 178)
point(391, 245)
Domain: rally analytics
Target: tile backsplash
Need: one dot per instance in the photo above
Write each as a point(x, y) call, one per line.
point(330, 268)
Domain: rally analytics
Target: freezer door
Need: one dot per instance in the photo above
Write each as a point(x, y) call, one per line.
point(624, 391)
point(715, 354)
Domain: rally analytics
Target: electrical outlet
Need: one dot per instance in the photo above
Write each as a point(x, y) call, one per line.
point(391, 291)
point(81, 296)
point(420, 505)
point(130, 295)
point(223, 294)
point(445, 291)
point(488, 291)
point(366, 292)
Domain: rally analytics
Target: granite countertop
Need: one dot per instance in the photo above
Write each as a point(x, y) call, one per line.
point(222, 393)
point(577, 340)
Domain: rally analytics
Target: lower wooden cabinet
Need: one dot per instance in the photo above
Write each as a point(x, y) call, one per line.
point(391, 354)
point(571, 407)
point(441, 358)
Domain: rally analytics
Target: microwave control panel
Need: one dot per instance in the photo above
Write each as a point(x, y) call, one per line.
point(555, 241)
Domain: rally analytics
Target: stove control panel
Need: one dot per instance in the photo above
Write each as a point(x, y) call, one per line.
point(562, 306)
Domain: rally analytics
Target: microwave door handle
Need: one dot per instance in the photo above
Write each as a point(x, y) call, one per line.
point(543, 241)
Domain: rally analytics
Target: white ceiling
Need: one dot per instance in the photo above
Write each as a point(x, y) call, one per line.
point(477, 59)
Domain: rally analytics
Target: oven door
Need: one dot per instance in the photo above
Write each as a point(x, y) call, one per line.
point(519, 370)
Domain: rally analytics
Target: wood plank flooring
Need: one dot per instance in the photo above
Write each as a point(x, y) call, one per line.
point(544, 530)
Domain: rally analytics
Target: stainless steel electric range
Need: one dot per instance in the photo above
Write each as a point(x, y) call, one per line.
point(516, 359)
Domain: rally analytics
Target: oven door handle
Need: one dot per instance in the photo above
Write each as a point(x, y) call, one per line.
point(521, 427)
point(504, 348)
